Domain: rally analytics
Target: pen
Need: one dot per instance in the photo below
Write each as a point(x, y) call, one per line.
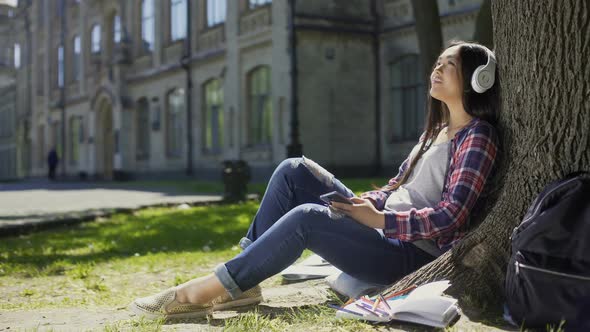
point(376, 304)
point(384, 302)
point(373, 311)
point(403, 291)
point(345, 310)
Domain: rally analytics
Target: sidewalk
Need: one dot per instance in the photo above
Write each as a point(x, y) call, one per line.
point(37, 204)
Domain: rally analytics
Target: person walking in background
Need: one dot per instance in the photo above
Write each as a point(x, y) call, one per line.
point(52, 161)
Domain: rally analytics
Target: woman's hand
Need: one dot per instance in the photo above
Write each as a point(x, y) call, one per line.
point(363, 211)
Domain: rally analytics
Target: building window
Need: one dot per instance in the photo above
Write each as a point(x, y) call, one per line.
point(60, 66)
point(407, 99)
point(178, 24)
point(16, 56)
point(117, 29)
point(58, 8)
point(41, 12)
point(76, 65)
point(213, 122)
point(257, 3)
point(74, 139)
point(142, 137)
point(95, 39)
point(174, 122)
point(215, 12)
point(7, 125)
point(7, 163)
point(147, 25)
point(259, 106)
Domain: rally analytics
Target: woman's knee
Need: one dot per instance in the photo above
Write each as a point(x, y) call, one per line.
point(292, 165)
point(288, 165)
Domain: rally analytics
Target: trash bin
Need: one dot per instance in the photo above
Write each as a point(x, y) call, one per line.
point(236, 174)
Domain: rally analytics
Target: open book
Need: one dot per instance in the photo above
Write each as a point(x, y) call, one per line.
point(423, 305)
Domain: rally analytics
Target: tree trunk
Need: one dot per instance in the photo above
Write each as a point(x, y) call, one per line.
point(543, 49)
point(429, 33)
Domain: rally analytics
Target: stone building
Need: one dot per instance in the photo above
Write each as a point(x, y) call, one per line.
point(144, 88)
point(14, 110)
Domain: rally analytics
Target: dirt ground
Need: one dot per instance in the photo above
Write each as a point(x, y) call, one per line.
point(78, 319)
point(277, 298)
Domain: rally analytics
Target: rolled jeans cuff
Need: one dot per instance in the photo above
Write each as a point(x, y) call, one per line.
point(227, 281)
point(245, 243)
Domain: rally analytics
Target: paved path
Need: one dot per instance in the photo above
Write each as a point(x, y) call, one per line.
point(34, 203)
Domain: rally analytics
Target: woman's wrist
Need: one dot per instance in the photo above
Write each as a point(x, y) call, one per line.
point(379, 221)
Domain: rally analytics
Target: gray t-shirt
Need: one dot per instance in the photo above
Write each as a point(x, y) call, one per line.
point(424, 187)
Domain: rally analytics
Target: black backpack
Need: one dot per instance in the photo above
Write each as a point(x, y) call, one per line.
point(548, 276)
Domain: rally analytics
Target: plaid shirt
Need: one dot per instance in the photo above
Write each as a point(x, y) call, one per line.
point(473, 152)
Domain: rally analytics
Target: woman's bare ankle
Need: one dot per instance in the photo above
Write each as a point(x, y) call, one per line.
point(199, 291)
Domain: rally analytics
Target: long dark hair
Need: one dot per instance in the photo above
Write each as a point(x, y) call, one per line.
point(480, 105)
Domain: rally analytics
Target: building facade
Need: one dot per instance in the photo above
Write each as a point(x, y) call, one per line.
point(14, 109)
point(140, 88)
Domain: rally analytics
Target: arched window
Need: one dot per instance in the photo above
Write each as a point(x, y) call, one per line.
point(17, 56)
point(407, 95)
point(215, 12)
point(77, 63)
point(174, 122)
point(95, 39)
point(142, 134)
point(213, 116)
point(60, 66)
point(178, 10)
point(116, 29)
point(259, 106)
point(147, 24)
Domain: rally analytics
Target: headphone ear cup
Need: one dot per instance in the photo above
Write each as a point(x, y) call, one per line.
point(482, 79)
point(474, 82)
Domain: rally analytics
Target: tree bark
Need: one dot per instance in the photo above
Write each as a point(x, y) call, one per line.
point(429, 33)
point(542, 47)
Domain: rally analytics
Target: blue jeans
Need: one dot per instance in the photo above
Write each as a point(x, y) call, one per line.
point(292, 218)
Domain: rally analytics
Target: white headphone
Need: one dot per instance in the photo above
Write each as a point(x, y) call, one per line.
point(484, 76)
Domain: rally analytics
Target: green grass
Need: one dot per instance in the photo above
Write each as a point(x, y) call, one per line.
point(308, 318)
point(109, 262)
point(63, 266)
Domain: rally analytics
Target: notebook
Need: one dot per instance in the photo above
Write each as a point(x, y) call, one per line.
point(424, 305)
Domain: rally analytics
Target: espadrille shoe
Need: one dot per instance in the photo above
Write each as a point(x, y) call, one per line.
point(164, 305)
point(250, 297)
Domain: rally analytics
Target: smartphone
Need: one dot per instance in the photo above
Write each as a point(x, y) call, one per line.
point(335, 196)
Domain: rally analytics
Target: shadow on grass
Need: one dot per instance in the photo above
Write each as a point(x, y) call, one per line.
point(263, 317)
point(208, 228)
point(286, 314)
point(265, 311)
